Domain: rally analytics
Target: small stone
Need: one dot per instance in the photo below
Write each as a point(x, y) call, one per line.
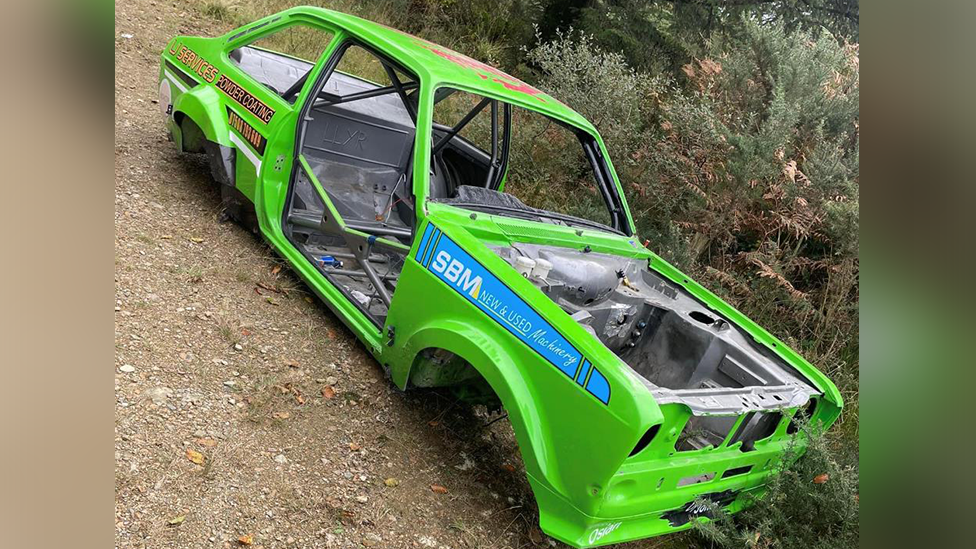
point(362, 499)
point(280, 458)
point(127, 368)
point(158, 395)
point(331, 380)
point(238, 347)
point(199, 433)
point(230, 383)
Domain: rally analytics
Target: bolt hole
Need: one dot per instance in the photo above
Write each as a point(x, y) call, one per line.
point(701, 317)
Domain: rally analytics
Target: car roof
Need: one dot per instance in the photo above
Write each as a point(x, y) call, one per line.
point(443, 66)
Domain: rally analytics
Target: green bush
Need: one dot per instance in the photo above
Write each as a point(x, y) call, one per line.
point(810, 503)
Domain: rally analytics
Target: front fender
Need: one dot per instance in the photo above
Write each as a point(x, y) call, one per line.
point(501, 373)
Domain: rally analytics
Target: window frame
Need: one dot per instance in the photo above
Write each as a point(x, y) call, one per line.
point(251, 33)
point(605, 178)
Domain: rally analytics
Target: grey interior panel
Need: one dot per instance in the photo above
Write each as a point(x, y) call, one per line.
point(274, 70)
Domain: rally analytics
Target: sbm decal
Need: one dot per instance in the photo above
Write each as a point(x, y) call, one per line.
point(244, 97)
point(194, 62)
point(456, 268)
point(247, 131)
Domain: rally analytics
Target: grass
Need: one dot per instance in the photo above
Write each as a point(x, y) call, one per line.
point(230, 330)
point(220, 10)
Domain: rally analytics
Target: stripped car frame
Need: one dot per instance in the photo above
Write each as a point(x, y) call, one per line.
point(636, 396)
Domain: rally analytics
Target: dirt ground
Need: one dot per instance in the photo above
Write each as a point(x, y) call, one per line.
point(223, 357)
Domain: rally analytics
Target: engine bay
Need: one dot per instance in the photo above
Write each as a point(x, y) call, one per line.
point(681, 350)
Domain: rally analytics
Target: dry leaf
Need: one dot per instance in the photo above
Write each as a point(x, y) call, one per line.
point(299, 399)
point(208, 442)
point(328, 392)
point(291, 363)
point(509, 467)
point(282, 415)
point(391, 482)
point(246, 539)
point(308, 299)
point(820, 479)
point(245, 332)
point(276, 270)
point(167, 237)
point(438, 489)
point(176, 520)
point(194, 456)
point(355, 447)
point(196, 239)
point(433, 423)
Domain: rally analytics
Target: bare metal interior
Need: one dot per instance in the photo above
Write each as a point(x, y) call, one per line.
point(681, 350)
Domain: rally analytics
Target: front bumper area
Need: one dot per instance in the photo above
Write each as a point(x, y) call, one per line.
point(655, 497)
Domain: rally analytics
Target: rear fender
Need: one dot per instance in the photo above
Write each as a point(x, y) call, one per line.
point(202, 106)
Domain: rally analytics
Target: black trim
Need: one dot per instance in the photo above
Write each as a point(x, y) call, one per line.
point(252, 29)
point(186, 78)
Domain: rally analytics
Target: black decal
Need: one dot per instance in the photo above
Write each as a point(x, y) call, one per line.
point(247, 131)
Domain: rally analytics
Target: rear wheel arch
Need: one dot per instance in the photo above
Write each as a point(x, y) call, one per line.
point(202, 106)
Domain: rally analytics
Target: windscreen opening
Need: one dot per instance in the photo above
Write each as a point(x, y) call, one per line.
point(491, 156)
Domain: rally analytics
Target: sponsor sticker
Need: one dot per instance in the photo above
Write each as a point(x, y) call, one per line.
point(165, 97)
point(456, 268)
point(247, 131)
point(244, 98)
point(198, 65)
point(599, 533)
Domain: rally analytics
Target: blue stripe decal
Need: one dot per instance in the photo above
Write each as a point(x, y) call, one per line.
point(456, 268)
point(429, 252)
point(423, 241)
point(598, 386)
point(583, 372)
point(434, 238)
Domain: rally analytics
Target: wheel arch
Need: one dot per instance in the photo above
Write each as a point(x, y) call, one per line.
point(201, 105)
point(500, 371)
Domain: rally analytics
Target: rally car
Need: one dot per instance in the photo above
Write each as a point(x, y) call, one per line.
point(472, 232)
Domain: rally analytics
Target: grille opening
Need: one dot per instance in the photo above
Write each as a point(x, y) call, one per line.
point(645, 439)
point(737, 471)
point(701, 317)
point(803, 414)
point(755, 427)
point(695, 479)
point(703, 431)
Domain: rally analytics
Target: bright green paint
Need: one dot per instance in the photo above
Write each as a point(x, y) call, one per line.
point(575, 448)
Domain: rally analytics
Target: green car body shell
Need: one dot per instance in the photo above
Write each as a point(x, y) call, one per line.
point(575, 431)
